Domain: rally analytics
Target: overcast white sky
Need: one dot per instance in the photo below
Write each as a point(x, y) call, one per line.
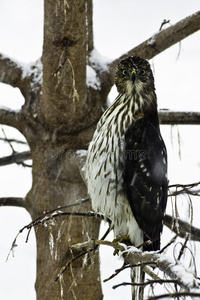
point(118, 27)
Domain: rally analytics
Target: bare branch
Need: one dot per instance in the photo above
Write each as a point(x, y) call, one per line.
point(185, 186)
point(150, 48)
point(182, 228)
point(124, 267)
point(175, 295)
point(148, 282)
point(11, 146)
point(164, 39)
point(49, 215)
point(15, 158)
point(179, 117)
point(12, 201)
point(13, 141)
point(184, 189)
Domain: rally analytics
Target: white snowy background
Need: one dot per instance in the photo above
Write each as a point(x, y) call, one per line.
point(118, 27)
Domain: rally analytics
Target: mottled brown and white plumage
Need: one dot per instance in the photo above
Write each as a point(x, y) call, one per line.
point(126, 167)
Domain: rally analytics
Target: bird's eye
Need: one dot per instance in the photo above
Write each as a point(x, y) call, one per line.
point(124, 72)
point(142, 72)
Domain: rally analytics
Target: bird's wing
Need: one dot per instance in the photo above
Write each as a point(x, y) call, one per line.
point(145, 176)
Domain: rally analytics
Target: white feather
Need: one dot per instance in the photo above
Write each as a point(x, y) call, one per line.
point(104, 179)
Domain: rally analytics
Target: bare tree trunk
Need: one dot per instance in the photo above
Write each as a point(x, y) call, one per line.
point(56, 181)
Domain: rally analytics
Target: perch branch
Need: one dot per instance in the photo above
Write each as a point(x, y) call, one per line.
point(173, 270)
point(92, 243)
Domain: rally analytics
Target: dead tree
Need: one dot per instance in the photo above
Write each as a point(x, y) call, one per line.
point(58, 118)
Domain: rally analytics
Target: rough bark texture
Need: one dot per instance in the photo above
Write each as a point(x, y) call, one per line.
point(64, 67)
point(56, 180)
point(59, 117)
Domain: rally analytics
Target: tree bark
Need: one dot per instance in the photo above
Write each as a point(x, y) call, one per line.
point(56, 180)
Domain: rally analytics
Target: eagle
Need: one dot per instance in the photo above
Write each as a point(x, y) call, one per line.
point(126, 166)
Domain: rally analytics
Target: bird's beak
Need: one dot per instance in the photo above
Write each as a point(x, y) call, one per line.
point(133, 75)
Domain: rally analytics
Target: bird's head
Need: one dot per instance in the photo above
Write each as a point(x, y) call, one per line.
point(134, 75)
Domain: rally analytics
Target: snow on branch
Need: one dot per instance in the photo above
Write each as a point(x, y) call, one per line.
point(174, 270)
point(27, 77)
point(11, 118)
point(10, 71)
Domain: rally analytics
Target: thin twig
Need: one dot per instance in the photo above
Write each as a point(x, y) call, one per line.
point(126, 267)
point(189, 185)
point(149, 282)
point(183, 247)
point(183, 228)
point(13, 141)
point(164, 23)
point(49, 215)
point(181, 189)
point(168, 244)
point(11, 146)
point(174, 295)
